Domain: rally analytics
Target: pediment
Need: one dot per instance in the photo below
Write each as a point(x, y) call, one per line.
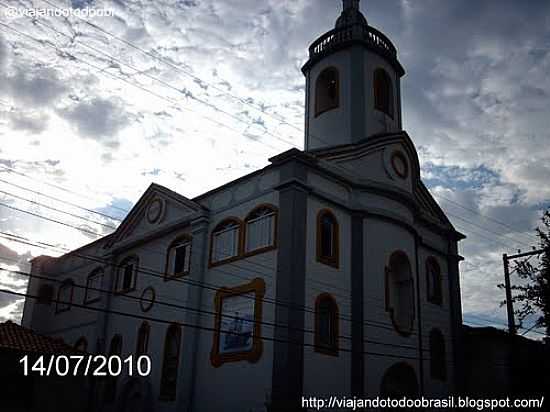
point(158, 207)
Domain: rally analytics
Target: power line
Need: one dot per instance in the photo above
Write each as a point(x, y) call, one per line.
point(187, 281)
point(204, 328)
point(57, 210)
point(56, 199)
point(189, 308)
point(12, 170)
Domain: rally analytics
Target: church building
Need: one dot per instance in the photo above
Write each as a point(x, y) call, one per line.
point(330, 272)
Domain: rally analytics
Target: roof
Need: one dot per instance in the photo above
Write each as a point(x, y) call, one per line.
point(18, 338)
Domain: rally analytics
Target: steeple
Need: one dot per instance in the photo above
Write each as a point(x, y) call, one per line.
point(351, 15)
point(352, 83)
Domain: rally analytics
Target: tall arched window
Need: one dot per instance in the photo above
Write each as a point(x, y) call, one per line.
point(93, 286)
point(143, 339)
point(261, 229)
point(400, 293)
point(111, 381)
point(45, 295)
point(328, 238)
point(225, 243)
point(127, 274)
point(327, 90)
point(383, 92)
point(326, 325)
point(433, 281)
point(438, 364)
point(178, 262)
point(81, 344)
point(65, 296)
point(169, 378)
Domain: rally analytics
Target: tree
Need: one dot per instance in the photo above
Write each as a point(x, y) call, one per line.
point(533, 293)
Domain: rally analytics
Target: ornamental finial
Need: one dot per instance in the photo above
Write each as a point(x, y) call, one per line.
point(351, 15)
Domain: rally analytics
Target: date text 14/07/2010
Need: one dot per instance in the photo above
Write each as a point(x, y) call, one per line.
point(86, 365)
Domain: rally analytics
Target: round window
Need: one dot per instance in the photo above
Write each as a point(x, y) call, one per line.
point(400, 165)
point(155, 210)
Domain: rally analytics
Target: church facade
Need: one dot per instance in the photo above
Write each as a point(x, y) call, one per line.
point(330, 272)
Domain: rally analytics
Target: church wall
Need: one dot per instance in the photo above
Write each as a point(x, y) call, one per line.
point(381, 239)
point(237, 383)
point(326, 375)
point(435, 316)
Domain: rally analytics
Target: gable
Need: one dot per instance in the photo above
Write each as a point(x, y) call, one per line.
point(157, 208)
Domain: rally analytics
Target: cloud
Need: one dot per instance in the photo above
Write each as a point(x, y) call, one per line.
point(34, 88)
point(99, 119)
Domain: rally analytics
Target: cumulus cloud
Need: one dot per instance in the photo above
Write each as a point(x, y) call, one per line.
point(98, 118)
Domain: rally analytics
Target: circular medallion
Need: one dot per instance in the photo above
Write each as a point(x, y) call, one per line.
point(155, 210)
point(400, 165)
point(147, 299)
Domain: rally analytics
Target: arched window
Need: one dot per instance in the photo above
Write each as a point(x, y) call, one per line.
point(127, 275)
point(383, 92)
point(400, 293)
point(433, 281)
point(261, 229)
point(111, 381)
point(81, 344)
point(143, 339)
point(45, 295)
point(328, 238)
point(438, 364)
point(65, 296)
point(326, 325)
point(399, 381)
point(93, 286)
point(327, 90)
point(226, 241)
point(178, 261)
point(169, 378)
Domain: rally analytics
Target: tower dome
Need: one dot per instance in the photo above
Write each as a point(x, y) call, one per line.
point(352, 83)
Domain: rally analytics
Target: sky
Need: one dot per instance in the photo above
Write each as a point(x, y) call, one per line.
point(191, 94)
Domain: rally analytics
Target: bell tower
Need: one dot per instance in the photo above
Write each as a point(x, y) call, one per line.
point(352, 83)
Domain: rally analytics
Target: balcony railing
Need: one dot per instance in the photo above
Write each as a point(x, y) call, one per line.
point(366, 34)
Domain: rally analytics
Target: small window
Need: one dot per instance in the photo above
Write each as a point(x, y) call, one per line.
point(383, 92)
point(433, 281)
point(93, 286)
point(45, 295)
point(326, 325)
point(169, 378)
point(111, 380)
point(143, 339)
point(179, 258)
point(65, 296)
point(327, 238)
point(327, 90)
point(225, 242)
point(438, 367)
point(127, 274)
point(81, 344)
point(400, 293)
point(261, 228)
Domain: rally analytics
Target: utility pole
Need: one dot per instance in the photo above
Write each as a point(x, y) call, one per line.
point(507, 284)
point(509, 304)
